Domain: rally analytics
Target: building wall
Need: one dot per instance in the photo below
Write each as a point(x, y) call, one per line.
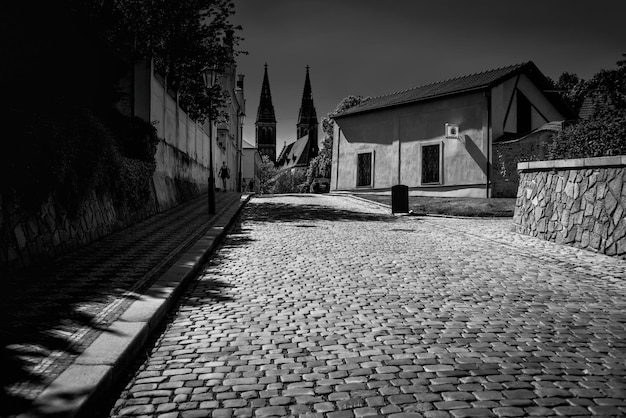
point(251, 168)
point(578, 202)
point(504, 106)
point(396, 137)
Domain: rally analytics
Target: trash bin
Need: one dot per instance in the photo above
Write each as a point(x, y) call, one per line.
point(400, 199)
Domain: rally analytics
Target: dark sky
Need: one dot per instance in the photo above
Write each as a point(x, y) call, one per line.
point(374, 47)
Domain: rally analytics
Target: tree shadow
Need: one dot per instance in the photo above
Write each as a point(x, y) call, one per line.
point(53, 311)
point(285, 212)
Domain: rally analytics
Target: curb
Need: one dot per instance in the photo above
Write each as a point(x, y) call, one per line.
point(77, 391)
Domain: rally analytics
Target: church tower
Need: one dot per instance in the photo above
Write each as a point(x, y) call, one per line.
point(265, 134)
point(307, 118)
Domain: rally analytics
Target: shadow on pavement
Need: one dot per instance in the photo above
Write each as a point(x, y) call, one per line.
point(283, 212)
point(52, 312)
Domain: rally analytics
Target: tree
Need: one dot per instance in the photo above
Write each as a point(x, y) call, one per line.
point(320, 166)
point(573, 90)
point(604, 132)
point(268, 172)
point(182, 37)
point(67, 136)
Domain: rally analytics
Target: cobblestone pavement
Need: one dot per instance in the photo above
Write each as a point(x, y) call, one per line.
point(51, 313)
point(324, 306)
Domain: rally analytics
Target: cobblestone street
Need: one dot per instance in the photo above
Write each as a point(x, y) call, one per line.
point(327, 306)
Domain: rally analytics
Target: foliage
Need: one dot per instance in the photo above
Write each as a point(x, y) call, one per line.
point(599, 136)
point(70, 152)
point(62, 151)
point(134, 186)
point(136, 138)
point(573, 90)
point(183, 37)
point(63, 63)
point(290, 182)
point(268, 171)
point(604, 133)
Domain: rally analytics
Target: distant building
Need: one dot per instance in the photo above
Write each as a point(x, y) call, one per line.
point(265, 133)
point(306, 147)
point(438, 139)
point(251, 166)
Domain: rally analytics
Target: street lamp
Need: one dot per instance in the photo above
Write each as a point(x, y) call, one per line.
point(208, 75)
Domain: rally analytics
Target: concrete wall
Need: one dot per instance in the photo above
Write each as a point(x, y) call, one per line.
point(396, 136)
point(579, 202)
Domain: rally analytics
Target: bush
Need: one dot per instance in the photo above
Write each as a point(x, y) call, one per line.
point(69, 152)
point(64, 151)
point(134, 183)
point(288, 182)
point(603, 135)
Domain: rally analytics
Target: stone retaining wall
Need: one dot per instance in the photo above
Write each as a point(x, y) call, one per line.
point(30, 237)
point(580, 202)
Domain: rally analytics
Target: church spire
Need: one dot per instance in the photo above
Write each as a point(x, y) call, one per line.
point(265, 112)
point(307, 118)
point(307, 115)
point(265, 134)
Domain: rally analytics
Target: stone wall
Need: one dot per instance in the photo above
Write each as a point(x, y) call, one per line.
point(580, 202)
point(29, 237)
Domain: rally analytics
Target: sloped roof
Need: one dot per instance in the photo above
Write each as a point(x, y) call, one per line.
point(457, 85)
point(246, 144)
point(294, 154)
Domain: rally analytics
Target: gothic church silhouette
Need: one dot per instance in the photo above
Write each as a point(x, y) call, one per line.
point(299, 153)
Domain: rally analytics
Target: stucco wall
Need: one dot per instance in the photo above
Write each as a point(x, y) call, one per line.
point(396, 136)
point(577, 202)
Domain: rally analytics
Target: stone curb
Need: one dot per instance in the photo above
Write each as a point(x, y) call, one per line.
point(616, 160)
point(77, 391)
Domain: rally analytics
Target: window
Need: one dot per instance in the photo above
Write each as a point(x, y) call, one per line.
point(364, 169)
point(431, 164)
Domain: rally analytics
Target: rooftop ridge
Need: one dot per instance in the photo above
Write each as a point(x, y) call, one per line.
point(513, 66)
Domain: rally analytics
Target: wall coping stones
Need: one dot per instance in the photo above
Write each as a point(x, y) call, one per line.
point(612, 161)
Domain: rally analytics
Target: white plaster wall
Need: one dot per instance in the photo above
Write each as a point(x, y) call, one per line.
point(182, 154)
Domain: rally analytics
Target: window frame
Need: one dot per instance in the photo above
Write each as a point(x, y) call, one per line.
point(440, 162)
point(356, 180)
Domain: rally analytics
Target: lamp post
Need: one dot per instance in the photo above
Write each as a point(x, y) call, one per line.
point(208, 76)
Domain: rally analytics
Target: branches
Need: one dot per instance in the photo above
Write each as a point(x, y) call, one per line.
point(182, 37)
